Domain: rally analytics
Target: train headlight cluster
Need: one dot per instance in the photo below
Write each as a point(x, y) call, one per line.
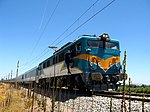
point(104, 37)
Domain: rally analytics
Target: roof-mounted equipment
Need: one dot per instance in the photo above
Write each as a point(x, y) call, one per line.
point(104, 37)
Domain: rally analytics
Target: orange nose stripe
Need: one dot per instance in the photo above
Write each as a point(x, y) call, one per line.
point(104, 64)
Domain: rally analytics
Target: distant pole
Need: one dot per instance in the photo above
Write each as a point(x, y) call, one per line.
point(11, 73)
point(17, 75)
point(8, 75)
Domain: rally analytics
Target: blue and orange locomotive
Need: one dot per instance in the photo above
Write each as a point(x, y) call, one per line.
point(94, 65)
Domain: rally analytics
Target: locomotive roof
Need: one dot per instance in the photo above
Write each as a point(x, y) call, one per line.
point(94, 37)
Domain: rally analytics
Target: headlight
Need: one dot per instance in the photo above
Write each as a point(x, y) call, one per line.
point(97, 76)
point(104, 37)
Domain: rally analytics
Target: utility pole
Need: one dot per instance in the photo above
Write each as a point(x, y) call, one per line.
point(54, 86)
point(129, 94)
point(124, 78)
point(17, 75)
point(11, 73)
point(8, 76)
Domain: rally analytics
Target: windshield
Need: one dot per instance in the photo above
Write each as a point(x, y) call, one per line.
point(99, 44)
point(111, 45)
point(95, 43)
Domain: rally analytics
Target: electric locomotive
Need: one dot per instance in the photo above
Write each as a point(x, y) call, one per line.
point(95, 64)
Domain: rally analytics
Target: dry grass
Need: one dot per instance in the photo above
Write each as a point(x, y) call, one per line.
point(16, 100)
point(10, 99)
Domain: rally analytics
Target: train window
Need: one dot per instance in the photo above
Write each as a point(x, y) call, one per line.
point(40, 67)
point(48, 63)
point(110, 45)
point(95, 43)
point(61, 57)
point(51, 61)
point(78, 48)
point(25, 75)
point(44, 65)
point(55, 60)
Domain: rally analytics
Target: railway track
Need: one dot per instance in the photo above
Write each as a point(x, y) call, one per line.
point(118, 95)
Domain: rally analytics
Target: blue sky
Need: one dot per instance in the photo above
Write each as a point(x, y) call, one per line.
point(28, 27)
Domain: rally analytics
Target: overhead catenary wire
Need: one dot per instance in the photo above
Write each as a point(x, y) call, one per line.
point(41, 23)
point(46, 24)
point(43, 52)
point(42, 19)
point(40, 56)
point(86, 21)
point(37, 58)
point(78, 26)
point(68, 27)
point(37, 42)
point(75, 21)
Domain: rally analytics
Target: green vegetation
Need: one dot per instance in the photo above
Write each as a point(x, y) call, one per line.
point(136, 89)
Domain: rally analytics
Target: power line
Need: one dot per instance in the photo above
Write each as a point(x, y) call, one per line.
point(66, 29)
point(44, 28)
point(40, 57)
point(35, 60)
point(77, 27)
point(42, 19)
point(75, 21)
point(86, 21)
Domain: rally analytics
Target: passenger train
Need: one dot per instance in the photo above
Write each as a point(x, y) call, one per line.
point(95, 65)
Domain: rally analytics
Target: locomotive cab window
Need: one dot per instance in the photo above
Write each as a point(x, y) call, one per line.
point(94, 44)
point(111, 45)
